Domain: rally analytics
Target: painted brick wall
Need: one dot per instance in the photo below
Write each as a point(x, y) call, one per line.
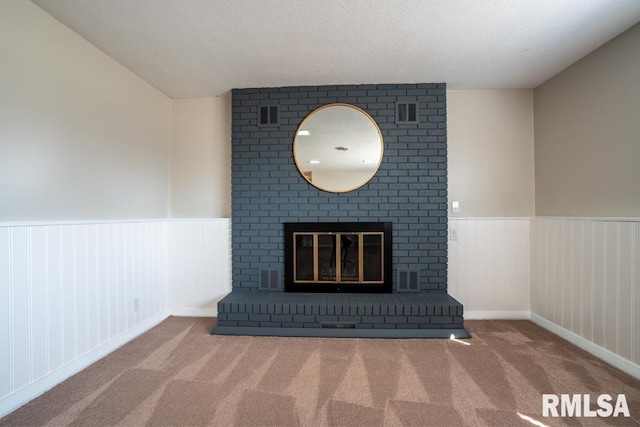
point(409, 190)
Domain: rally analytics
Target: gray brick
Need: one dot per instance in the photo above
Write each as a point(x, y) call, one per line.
point(249, 324)
point(304, 318)
point(270, 324)
point(311, 325)
point(349, 319)
point(364, 326)
point(260, 317)
point(322, 319)
point(407, 326)
point(430, 326)
point(441, 319)
point(383, 326)
point(228, 323)
point(395, 319)
point(292, 325)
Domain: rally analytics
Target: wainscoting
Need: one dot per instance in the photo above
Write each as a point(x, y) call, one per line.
point(200, 266)
point(70, 293)
point(585, 284)
point(489, 266)
point(67, 291)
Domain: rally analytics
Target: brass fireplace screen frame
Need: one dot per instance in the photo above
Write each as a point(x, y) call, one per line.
point(329, 276)
point(337, 258)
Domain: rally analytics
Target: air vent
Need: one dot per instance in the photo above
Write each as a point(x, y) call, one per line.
point(269, 280)
point(332, 325)
point(408, 281)
point(406, 112)
point(268, 115)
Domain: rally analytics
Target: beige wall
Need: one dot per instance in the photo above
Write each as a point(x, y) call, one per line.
point(490, 143)
point(587, 127)
point(81, 136)
point(201, 158)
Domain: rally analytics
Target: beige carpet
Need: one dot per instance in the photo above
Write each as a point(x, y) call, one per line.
point(179, 375)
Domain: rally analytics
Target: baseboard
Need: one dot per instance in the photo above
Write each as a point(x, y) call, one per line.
point(193, 312)
point(496, 315)
point(21, 397)
point(588, 346)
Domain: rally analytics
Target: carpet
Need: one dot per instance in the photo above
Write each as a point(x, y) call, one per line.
point(178, 375)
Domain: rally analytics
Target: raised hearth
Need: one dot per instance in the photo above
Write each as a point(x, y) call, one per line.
point(407, 315)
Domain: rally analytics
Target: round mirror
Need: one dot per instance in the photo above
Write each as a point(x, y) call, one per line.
point(338, 148)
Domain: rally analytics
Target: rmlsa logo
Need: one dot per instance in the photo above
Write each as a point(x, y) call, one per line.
point(580, 405)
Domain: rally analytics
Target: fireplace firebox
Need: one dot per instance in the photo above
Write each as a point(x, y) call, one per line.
point(338, 257)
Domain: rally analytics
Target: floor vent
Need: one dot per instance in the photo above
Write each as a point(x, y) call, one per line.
point(333, 325)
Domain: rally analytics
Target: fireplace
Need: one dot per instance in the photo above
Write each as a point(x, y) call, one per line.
point(339, 266)
point(338, 257)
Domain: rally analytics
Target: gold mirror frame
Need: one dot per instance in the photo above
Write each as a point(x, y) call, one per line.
point(344, 136)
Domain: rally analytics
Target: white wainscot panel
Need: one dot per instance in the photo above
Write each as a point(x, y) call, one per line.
point(200, 268)
point(489, 266)
point(585, 284)
point(66, 298)
point(6, 365)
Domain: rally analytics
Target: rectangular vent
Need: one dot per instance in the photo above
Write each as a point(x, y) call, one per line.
point(333, 325)
point(408, 281)
point(269, 280)
point(268, 115)
point(406, 112)
point(403, 280)
point(413, 280)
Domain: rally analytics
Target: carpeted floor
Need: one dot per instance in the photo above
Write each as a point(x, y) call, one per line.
point(178, 375)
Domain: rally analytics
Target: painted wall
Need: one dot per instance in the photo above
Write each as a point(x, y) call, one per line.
point(201, 158)
point(491, 155)
point(587, 132)
point(81, 136)
point(491, 174)
point(584, 281)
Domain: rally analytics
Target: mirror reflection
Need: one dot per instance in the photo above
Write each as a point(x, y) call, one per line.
point(338, 148)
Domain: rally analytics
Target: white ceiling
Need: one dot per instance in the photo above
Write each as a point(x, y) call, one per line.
point(197, 48)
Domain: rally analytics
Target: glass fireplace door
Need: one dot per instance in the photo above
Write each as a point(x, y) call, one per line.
point(325, 257)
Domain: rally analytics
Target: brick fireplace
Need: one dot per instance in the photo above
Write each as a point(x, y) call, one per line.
point(409, 192)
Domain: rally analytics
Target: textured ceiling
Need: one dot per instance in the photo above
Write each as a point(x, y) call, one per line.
point(200, 48)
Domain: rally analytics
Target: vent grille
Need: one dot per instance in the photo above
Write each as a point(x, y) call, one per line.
point(408, 280)
point(269, 280)
point(268, 115)
point(406, 112)
point(332, 325)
